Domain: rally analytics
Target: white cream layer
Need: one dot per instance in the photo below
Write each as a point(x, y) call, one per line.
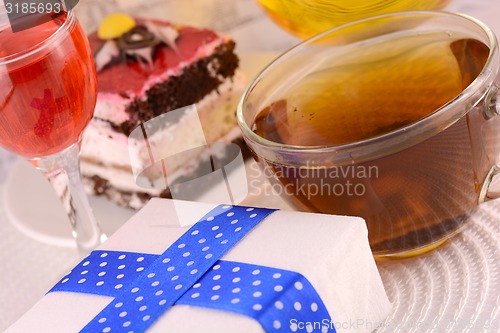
point(105, 152)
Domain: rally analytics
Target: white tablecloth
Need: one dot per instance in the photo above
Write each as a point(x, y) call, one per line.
point(456, 286)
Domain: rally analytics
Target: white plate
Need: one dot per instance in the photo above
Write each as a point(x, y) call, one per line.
point(33, 207)
point(452, 289)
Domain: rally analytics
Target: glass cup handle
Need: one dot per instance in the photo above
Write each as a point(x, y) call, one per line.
point(491, 112)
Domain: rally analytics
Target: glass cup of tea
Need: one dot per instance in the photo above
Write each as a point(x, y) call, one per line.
point(391, 118)
point(48, 90)
point(307, 18)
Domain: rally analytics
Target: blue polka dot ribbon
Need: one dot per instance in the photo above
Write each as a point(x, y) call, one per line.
point(189, 272)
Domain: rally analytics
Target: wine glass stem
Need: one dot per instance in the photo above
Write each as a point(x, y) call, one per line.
point(63, 172)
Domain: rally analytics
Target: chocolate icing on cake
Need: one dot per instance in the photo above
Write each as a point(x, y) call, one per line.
point(197, 80)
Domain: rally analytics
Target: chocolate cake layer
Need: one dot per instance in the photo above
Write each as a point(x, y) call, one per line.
point(196, 81)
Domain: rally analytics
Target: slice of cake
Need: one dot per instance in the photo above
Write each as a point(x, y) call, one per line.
point(146, 69)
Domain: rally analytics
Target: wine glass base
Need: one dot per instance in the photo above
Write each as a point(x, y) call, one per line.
point(34, 209)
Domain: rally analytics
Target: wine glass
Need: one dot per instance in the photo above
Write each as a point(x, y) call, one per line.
point(305, 18)
point(48, 90)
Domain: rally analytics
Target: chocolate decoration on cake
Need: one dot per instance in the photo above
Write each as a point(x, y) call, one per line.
point(137, 38)
point(139, 43)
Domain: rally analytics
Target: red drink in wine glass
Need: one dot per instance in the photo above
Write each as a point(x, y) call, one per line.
point(48, 92)
point(47, 98)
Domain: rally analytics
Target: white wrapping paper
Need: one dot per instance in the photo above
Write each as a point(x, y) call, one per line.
point(332, 252)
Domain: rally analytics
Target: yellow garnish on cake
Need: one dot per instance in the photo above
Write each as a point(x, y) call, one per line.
point(115, 25)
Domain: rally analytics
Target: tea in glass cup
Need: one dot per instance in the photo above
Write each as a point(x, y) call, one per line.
point(381, 119)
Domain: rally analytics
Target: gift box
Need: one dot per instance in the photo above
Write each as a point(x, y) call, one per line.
point(238, 269)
